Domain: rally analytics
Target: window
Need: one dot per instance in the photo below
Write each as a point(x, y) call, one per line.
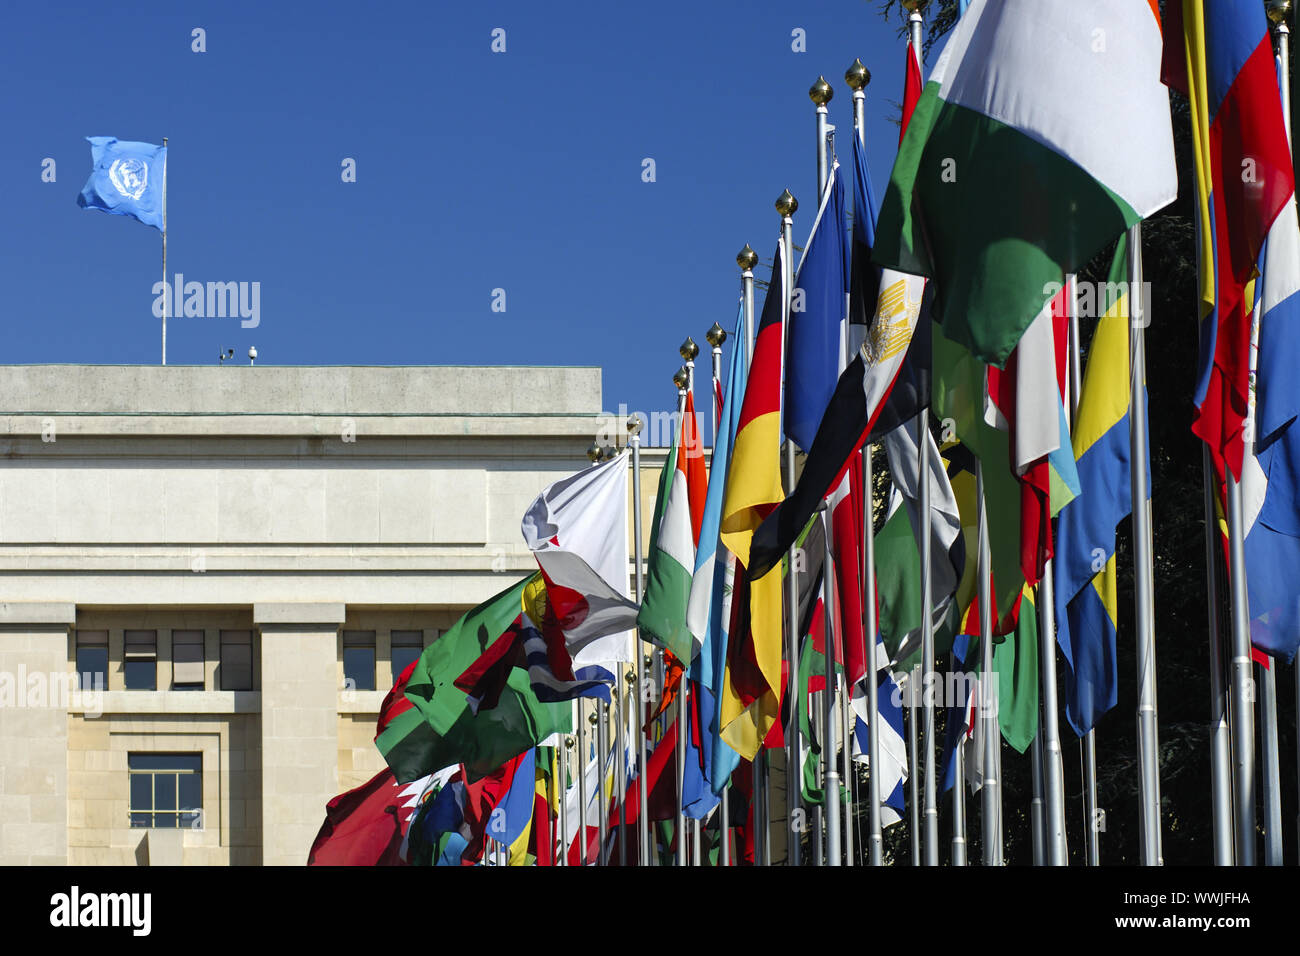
point(187, 660)
point(141, 666)
point(92, 659)
point(407, 646)
point(359, 660)
point(166, 790)
point(235, 672)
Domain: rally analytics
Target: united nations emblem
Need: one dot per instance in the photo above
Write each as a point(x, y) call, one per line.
point(129, 177)
point(896, 314)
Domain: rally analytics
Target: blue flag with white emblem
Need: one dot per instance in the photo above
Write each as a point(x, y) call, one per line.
point(127, 179)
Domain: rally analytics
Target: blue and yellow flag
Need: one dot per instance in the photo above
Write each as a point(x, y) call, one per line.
point(127, 179)
point(1086, 612)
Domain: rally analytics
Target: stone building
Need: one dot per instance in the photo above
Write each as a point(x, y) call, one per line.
point(245, 556)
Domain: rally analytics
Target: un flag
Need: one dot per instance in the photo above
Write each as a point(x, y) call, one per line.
point(127, 179)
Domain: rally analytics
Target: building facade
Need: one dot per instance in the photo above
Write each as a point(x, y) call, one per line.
point(245, 557)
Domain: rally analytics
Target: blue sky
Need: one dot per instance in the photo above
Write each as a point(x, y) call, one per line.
point(475, 171)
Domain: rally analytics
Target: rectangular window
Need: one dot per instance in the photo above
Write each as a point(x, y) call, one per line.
point(187, 660)
point(140, 668)
point(407, 646)
point(359, 660)
point(166, 790)
point(235, 672)
point(92, 660)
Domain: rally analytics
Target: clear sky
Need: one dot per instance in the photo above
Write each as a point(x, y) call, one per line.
point(475, 171)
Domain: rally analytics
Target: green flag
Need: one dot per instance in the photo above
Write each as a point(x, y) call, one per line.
point(1015, 662)
point(439, 729)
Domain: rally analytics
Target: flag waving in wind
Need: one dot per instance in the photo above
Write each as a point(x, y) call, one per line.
point(127, 179)
point(1003, 183)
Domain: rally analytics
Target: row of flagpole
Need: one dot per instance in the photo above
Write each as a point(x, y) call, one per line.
point(1232, 738)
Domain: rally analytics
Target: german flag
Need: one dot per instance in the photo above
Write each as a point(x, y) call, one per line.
point(751, 692)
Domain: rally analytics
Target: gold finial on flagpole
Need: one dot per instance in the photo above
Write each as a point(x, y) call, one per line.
point(786, 204)
point(857, 76)
point(747, 258)
point(716, 335)
point(821, 92)
point(688, 350)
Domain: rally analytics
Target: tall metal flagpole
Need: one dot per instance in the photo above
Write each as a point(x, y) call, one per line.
point(716, 336)
point(913, 762)
point(958, 791)
point(1091, 823)
point(858, 76)
point(1278, 11)
point(562, 857)
point(1143, 574)
point(990, 790)
point(600, 720)
point(166, 297)
point(583, 860)
point(831, 775)
point(1220, 736)
point(786, 207)
point(642, 817)
point(1053, 769)
point(1037, 816)
point(621, 742)
point(914, 22)
point(685, 381)
point(747, 258)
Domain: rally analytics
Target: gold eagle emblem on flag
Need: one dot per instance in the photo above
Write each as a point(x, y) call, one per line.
point(896, 315)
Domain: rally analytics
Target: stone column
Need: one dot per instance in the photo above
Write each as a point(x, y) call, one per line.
point(300, 738)
point(35, 684)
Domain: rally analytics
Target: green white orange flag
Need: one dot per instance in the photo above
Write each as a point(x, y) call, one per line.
point(662, 618)
point(1043, 133)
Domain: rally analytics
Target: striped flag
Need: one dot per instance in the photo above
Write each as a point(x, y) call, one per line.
point(662, 617)
point(1219, 55)
point(1085, 591)
point(750, 702)
point(1002, 183)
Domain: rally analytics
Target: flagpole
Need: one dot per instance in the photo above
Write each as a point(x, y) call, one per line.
point(913, 762)
point(846, 757)
point(599, 721)
point(582, 785)
point(958, 849)
point(685, 381)
point(643, 818)
point(166, 295)
point(786, 206)
point(1143, 574)
point(830, 772)
point(857, 76)
point(990, 789)
point(1088, 743)
point(914, 23)
point(566, 745)
point(1053, 769)
point(1278, 11)
point(620, 738)
point(1037, 819)
point(1220, 735)
point(716, 336)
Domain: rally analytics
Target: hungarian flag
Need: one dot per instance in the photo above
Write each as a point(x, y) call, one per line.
point(1002, 183)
